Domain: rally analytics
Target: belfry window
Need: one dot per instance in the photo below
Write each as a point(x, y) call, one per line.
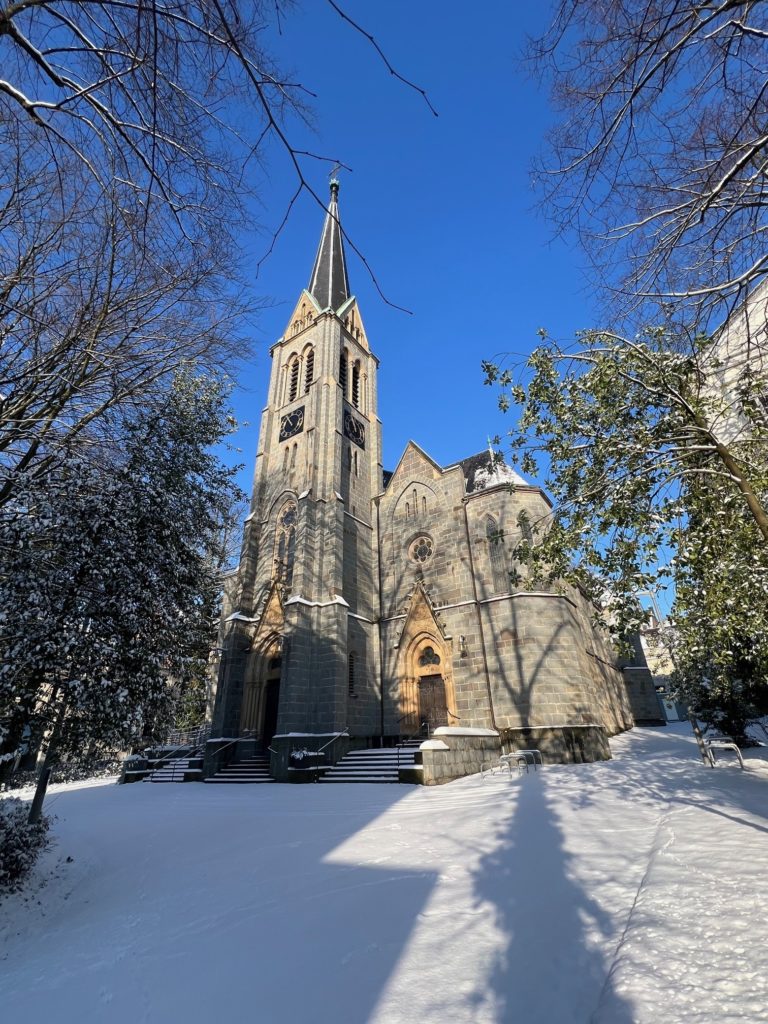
point(285, 544)
point(293, 379)
point(343, 373)
point(356, 385)
point(309, 369)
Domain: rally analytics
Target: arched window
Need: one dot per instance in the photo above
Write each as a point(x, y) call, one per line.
point(407, 509)
point(356, 385)
point(495, 538)
point(309, 369)
point(351, 675)
point(415, 502)
point(293, 379)
point(355, 462)
point(285, 543)
point(286, 455)
point(424, 505)
point(343, 373)
point(293, 455)
point(524, 523)
point(349, 458)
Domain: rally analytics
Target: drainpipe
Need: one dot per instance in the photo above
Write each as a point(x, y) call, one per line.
point(479, 616)
point(378, 624)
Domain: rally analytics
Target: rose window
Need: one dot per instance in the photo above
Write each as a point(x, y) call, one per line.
point(421, 550)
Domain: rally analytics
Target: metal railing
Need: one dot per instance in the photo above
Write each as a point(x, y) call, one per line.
point(419, 732)
point(190, 740)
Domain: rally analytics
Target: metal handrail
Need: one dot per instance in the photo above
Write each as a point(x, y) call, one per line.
point(399, 746)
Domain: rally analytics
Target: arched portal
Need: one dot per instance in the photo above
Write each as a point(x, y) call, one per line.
point(426, 686)
point(261, 696)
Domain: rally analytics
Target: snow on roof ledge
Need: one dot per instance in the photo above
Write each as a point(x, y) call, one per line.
point(455, 730)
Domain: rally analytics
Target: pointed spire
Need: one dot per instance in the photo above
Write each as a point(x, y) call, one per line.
point(329, 284)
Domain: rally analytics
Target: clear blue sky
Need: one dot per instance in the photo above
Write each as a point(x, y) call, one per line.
point(443, 209)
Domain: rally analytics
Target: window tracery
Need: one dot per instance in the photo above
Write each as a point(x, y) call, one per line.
point(429, 657)
point(285, 543)
point(421, 550)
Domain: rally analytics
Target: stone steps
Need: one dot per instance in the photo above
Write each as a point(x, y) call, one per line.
point(177, 769)
point(375, 765)
point(248, 771)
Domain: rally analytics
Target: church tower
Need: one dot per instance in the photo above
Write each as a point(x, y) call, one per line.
point(300, 648)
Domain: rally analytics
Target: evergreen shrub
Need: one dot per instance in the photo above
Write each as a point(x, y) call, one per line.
point(20, 842)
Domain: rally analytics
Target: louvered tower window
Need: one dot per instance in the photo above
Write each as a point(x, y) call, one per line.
point(309, 372)
point(343, 373)
point(356, 385)
point(293, 380)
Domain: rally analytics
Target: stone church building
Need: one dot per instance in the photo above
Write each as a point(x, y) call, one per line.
point(370, 606)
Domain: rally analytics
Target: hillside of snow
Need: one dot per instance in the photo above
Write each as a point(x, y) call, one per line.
point(627, 892)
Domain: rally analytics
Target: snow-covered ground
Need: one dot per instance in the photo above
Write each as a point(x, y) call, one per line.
point(625, 892)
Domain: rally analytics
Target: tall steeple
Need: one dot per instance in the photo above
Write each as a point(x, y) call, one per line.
point(329, 284)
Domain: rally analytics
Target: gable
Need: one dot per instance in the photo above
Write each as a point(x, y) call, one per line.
point(414, 464)
point(349, 314)
point(303, 316)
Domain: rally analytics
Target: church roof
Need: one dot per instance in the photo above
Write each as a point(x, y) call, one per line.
point(482, 471)
point(329, 284)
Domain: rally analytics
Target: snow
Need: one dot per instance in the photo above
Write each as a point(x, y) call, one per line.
point(625, 892)
point(457, 730)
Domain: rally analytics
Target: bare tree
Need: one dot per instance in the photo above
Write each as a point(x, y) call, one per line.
point(660, 156)
point(98, 307)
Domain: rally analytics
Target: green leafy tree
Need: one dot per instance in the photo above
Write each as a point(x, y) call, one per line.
point(629, 434)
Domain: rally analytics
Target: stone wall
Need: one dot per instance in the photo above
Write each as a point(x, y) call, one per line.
point(560, 745)
point(454, 753)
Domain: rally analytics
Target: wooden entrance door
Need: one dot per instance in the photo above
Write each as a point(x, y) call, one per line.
point(433, 707)
point(271, 701)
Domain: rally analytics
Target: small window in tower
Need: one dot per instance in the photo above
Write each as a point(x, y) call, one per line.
point(309, 372)
point(407, 510)
point(293, 380)
point(356, 385)
point(351, 672)
point(424, 505)
point(349, 458)
point(355, 460)
point(343, 373)
point(293, 455)
point(415, 502)
point(286, 456)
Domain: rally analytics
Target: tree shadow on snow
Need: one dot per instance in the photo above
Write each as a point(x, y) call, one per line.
point(548, 969)
point(211, 903)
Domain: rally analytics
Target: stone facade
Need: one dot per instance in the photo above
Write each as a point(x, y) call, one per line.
point(379, 605)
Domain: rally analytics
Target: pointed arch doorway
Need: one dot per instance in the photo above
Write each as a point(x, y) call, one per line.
point(426, 687)
point(261, 697)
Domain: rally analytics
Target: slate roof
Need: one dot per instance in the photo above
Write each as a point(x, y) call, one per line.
point(481, 471)
point(329, 284)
